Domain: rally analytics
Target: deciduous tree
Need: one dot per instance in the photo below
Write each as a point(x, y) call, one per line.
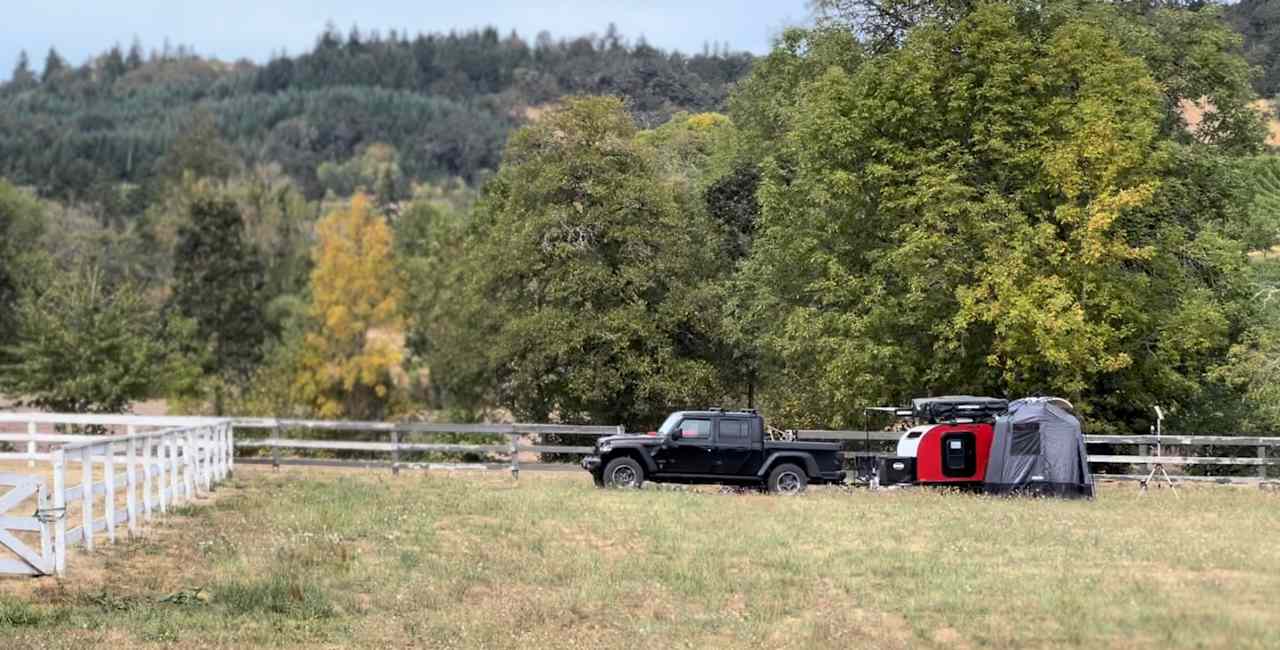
point(354, 348)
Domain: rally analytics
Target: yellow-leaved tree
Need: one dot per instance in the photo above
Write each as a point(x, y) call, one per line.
point(354, 346)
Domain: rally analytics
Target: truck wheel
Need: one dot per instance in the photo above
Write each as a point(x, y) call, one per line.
point(787, 479)
point(623, 472)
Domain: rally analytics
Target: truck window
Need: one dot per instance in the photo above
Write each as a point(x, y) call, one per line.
point(700, 429)
point(734, 430)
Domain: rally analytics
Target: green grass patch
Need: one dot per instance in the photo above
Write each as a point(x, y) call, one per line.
point(370, 561)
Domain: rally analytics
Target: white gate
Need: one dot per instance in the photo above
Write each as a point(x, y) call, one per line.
point(17, 557)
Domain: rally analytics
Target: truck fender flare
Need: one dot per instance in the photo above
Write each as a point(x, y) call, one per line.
point(810, 465)
point(642, 455)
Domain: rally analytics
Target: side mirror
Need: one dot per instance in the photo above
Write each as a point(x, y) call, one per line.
point(675, 435)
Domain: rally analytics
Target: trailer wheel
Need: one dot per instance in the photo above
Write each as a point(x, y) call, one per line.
point(623, 472)
point(787, 479)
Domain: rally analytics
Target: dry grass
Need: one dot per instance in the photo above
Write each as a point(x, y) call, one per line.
point(330, 559)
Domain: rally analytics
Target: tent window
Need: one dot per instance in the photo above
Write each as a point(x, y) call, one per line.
point(1026, 439)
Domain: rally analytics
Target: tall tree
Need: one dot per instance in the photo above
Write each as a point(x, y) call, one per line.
point(54, 65)
point(21, 224)
point(23, 78)
point(353, 349)
point(1019, 230)
point(581, 279)
point(134, 59)
point(218, 282)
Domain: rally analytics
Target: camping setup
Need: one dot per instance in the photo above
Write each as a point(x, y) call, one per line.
point(1032, 446)
point(1038, 449)
point(948, 446)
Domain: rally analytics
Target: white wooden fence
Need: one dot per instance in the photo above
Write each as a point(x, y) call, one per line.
point(122, 481)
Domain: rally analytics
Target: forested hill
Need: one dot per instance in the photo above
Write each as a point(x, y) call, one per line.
point(445, 102)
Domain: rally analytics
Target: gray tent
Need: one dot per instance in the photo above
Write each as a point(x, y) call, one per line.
point(1038, 449)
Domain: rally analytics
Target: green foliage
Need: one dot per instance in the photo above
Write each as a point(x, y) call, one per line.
point(1256, 21)
point(375, 171)
point(580, 280)
point(445, 102)
point(198, 151)
point(86, 347)
point(218, 284)
point(21, 225)
point(1261, 231)
point(994, 206)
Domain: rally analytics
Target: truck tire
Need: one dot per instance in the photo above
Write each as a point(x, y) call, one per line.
point(623, 472)
point(787, 479)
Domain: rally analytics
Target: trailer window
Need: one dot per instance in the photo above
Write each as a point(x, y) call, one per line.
point(733, 430)
point(695, 429)
point(959, 455)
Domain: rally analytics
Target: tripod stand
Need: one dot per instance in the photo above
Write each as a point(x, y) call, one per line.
point(1158, 431)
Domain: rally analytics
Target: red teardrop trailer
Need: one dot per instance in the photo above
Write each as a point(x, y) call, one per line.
point(950, 445)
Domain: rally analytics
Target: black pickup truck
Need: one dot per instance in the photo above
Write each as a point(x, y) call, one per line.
point(713, 446)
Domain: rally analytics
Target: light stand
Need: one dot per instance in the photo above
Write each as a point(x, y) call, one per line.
point(1158, 430)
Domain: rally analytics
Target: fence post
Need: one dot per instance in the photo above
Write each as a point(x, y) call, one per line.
point(204, 455)
point(515, 456)
point(223, 442)
point(109, 503)
point(275, 449)
point(31, 444)
point(131, 480)
point(395, 453)
point(44, 506)
point(1262, 455)
point(146, 477)
point(171, 441)
point(60, 510)
point(189, 464)
point(86, 496)
point(162, 473)
point(231, 449)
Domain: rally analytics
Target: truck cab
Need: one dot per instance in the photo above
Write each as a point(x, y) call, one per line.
point(713, 446)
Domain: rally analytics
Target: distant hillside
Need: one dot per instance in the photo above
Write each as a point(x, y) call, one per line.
point(444, 101)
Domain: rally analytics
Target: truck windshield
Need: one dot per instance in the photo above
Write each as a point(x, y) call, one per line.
point(670, 424)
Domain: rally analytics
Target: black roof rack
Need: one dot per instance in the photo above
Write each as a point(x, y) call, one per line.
point(957, 407)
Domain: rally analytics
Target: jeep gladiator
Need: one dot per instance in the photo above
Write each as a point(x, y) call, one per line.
point(713, 446)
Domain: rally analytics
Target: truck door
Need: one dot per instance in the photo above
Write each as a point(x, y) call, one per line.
point(733, 446)
point(692, 453)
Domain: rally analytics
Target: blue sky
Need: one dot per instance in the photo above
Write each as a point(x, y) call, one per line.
point(231, 29)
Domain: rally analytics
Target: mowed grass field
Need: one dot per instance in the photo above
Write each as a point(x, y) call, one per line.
point(367, 560)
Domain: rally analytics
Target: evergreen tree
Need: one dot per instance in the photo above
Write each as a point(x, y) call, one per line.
point(21, 224)
point(113, 65)
point(218, 283)
point(134, 60)
point(23, 78)
point(54, 66)
point(84, 346)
